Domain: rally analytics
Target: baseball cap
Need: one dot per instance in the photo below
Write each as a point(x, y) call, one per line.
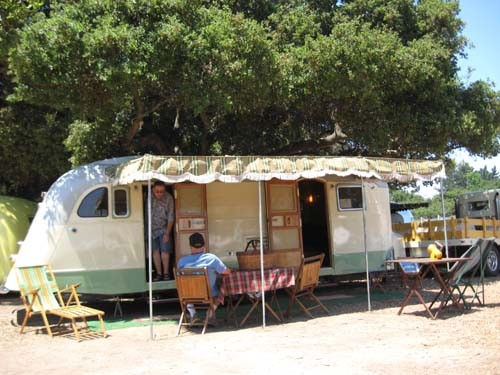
point(196, 240)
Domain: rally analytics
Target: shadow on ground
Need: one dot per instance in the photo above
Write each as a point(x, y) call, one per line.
point(339, 298)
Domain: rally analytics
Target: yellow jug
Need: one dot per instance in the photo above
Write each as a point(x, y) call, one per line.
point(434, 252)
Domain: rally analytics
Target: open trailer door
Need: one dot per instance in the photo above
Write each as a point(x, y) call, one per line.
point(284, 216)
point(190, 215)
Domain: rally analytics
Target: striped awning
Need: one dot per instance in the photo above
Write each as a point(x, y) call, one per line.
point(206, 169)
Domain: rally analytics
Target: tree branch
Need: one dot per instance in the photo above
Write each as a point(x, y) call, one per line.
point(310, 146)
point(140, 113)
point(155, 107)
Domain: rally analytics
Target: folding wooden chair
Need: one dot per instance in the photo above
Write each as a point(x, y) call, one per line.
point(193, 287)
point(410, 272)
point(41, 295)
point(412, 276)
point(307, 280)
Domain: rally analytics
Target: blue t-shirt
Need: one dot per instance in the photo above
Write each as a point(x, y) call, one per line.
point(212, 262)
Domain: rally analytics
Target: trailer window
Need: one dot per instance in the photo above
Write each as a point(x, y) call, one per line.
point(350, 197)
point(95, 204)
point(479, 206)
point(120, 202)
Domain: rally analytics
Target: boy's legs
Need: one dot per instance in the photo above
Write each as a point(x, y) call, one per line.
point(191, 310)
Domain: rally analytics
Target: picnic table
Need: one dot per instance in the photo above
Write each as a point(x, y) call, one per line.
point(426, 265)
point(249, 283)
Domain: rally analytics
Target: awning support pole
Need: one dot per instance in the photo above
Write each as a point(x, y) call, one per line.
point(150, 264)
point(441, 187)
point(261, 237)
point(363, 195)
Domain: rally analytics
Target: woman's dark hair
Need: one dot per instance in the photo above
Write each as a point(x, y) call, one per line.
point(158, 183)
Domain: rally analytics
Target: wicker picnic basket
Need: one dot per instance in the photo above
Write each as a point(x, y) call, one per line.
point(250, 260)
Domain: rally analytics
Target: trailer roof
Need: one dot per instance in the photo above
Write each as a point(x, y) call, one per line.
point(206, 169)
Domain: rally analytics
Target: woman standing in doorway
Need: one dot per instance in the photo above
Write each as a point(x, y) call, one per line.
point(162, 222)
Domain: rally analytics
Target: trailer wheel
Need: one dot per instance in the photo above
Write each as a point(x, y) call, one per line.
point(492, 266)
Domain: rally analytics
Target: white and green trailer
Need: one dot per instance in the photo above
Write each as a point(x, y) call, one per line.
point(91, 227)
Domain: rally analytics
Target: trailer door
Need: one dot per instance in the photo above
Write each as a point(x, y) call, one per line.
point(284, 216)
point(190, 215)
point(81, 244)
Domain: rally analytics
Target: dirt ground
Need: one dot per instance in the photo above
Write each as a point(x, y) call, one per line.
point(350, 340)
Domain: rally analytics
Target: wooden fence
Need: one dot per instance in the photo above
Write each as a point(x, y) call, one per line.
point(432, 230)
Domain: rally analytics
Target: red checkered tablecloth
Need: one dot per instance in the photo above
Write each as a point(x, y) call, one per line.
point(239, 282)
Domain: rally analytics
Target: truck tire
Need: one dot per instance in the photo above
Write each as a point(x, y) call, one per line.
point(492, 264)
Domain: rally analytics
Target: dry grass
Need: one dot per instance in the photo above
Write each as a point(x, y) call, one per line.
point(351, 340)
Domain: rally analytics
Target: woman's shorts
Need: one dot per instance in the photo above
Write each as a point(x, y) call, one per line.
point(162, 246)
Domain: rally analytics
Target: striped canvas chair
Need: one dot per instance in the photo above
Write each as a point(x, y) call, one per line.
point(469, 274)
point(41, 295)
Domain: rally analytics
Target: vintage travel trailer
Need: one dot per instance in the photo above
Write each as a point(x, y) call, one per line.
point(92, 226)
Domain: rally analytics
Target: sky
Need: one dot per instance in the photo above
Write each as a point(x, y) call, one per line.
point(482, 28)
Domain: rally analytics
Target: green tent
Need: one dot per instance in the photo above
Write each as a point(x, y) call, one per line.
point(15, 218)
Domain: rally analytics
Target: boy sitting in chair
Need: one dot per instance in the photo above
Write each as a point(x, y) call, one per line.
point(199, 258)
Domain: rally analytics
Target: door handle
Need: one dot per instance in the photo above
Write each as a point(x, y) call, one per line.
point(72, 229)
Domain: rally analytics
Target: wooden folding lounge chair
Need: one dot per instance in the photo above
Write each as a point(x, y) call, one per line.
point(41, 295)
point(193, 287)
point(307, 280)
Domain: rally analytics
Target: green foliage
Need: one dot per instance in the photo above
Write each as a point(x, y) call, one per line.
point(88, 141)
point(480, 119)
point(248, 77)
point(13, 16)
point(403, 196)
point(95, 57)
point(435, 208)
point(32, 152)
point(464, 178)
point(293, 25)
point(230, 65)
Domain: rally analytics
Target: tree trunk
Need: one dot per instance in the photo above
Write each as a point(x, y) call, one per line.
point(137, 123)
point(204, 136)
point(152, 140)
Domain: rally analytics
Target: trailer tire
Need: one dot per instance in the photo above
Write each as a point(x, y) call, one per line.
point(492, 263)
